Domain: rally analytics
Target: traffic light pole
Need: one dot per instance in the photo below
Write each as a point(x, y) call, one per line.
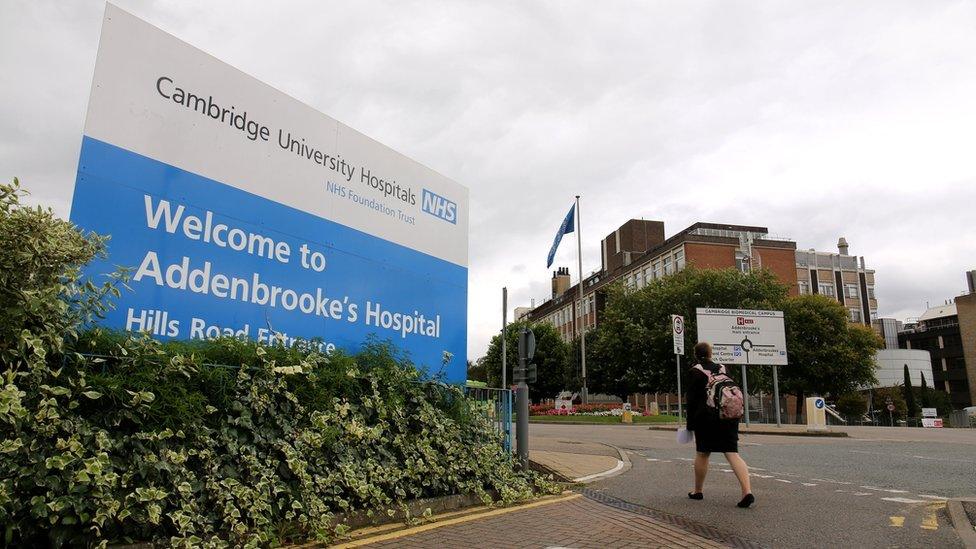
point(522, 427)
point(523, 375)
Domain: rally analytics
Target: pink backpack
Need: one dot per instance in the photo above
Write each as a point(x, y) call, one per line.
point(722, 394)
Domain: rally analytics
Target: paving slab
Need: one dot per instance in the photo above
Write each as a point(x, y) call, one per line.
point(573, 522)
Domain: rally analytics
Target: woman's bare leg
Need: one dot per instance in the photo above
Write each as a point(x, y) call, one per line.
point(701, 469)
point(741, 471)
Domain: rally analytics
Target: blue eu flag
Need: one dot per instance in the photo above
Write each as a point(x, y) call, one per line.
point(565, 228)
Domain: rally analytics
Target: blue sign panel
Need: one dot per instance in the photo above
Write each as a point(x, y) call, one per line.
point(262, 234)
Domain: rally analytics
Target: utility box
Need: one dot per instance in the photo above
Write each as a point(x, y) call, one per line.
point(627, 416)
point(816, 414)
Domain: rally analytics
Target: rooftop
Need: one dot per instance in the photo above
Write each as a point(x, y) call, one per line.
point(938, 311)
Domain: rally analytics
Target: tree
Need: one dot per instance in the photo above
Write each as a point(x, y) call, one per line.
point(476, 371)
point(852, 405)
point(910, 406)
point(924, 396)
point(828, 354)
point(881, 395)
point(631, 349)
point(551, 357)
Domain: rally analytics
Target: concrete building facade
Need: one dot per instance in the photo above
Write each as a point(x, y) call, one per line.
point(840, 276)
point(891, 367)
point(938, 331)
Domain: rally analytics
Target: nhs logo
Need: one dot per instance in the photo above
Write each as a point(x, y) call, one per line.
point(438, 206)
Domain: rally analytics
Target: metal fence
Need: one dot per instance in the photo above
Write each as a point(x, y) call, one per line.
point(496, 405)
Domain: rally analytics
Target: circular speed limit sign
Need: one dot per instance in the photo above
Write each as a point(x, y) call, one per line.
point(679, 325)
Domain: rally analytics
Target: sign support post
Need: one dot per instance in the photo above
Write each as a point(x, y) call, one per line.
point(504, 325)
point(776, 394)
point(678, 334)
point(745, 393)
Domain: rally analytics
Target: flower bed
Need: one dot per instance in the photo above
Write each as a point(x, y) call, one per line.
point(603, 409)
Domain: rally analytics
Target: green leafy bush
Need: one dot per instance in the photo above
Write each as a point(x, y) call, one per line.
point(112, 438)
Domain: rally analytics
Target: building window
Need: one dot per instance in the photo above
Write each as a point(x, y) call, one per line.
point(647, 275)
point(667, 266)
point(657, 269)
point(803, 287)
point(856, 315)
point(741, 262)
point(826, 288)
point(679, 259)
point(871, 292)
point(850, 290)
point(874, 313)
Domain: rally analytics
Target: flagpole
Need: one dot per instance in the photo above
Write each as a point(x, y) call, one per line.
point(579, 317)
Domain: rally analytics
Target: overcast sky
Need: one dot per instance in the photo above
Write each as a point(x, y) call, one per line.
point(814, 119)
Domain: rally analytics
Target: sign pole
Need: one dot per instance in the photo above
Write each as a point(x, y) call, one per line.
point(678, 337)
point(776, 394)
point(745, 393)
point(677, 361)
point(504, 325)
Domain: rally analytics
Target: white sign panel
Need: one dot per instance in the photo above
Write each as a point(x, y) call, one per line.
point(930, 412)
point(678, 333)
point(740, 336)
point(242, 211)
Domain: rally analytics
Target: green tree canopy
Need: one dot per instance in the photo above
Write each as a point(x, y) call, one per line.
point(551, 358)
point(828, 354)
point(632, 349)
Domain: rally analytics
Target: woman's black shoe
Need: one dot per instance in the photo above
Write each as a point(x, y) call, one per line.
point(698, 495)
point(746, 501)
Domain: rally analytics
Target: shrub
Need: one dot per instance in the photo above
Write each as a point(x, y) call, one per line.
point(112, 438)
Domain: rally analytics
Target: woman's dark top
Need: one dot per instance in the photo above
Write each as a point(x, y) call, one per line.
point(711, 433)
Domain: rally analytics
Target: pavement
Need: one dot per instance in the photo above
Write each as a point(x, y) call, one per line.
point(569, 521)
point(576, 460)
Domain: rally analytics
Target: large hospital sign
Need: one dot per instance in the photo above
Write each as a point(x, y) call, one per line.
point(240, 210)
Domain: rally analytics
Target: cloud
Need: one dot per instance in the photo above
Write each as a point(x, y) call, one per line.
point(815, 119)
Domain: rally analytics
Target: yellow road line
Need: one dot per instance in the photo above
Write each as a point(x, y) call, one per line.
point(457, 520)
point(897, 522)
point(931, 522)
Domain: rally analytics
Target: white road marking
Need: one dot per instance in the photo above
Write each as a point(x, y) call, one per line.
point(830, 480)
point(863, 494)
point(653, 459)
point(761, 476)
point(889, 490)
point(913, 456)
point(809, 484)
point(726, 470)
point(784, 480)
point(839, 490)
point(686, 459)
point(619, 466)
point(926, 496)
point(757, 468)
point(904, 500)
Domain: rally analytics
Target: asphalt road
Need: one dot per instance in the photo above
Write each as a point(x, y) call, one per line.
point(884, 488)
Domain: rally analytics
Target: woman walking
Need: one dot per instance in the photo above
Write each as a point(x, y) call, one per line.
point(713, 432)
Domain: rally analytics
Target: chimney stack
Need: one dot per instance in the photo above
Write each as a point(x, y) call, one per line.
point(560, 281)
point(842, 246)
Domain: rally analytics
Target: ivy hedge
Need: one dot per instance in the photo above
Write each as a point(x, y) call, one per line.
point(109, 438)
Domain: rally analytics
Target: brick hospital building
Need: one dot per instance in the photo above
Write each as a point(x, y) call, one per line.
point(638, 253)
